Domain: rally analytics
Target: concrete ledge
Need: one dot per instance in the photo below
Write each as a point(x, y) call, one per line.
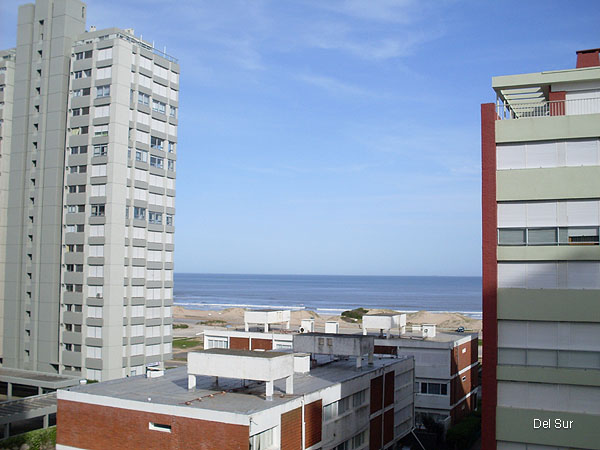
point(551, 375)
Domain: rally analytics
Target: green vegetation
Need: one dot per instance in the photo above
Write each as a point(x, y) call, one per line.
point(214, 322)
point(177, 326)
point(465, 433)
point(186, 343)
point(44, 439)
point(354, 315)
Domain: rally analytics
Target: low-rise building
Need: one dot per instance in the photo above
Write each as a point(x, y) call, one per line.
point(446, 371)
point(240, 399)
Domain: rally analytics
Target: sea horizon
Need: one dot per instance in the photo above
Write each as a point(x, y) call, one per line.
point(329, 294)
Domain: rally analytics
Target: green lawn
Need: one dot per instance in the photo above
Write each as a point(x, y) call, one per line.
point(186, 343)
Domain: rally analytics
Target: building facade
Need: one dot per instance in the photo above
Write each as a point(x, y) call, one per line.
point(91, 198)
point(330, 406)
point(446, 373)
point(541, 260)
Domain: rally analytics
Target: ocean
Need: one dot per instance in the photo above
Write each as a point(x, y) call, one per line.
point(329, 294)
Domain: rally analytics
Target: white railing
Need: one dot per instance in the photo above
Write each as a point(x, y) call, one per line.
point(506, 111)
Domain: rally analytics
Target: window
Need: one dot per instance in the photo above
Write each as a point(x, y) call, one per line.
point(73, 308)
point(157, 180)
point(159, 89)
point(153, 331)
point(96, 230)
point(140, 194)
point(141, 155)
point(145, 81)
point(102, 111)
point(104, 72)
point(139, 213)
point(103, 91)
point(143, 99)
point(100, 150)
point(79, 150)
point(83, 55)
point(263, 440)
point(173, 94)
point(96, 271)
point(73, 347)
point(96, 291)
point(94, 352)
point(99, 170)
point(153, 312)
point(96, 251)
point(82, 74)
point(138, 272)
point(80, 188)
point(159, 427)
point(75, 228)
point(159, 125)
point(173, 111)
point(171, 164)
point(171, 147)
point(137, 311)
point(169, 220)
point(137, 349)
point(156, 143)
point(145, 63)
point(94, 332)
point(142, 136)
point(137, 330)
point(336, 409)
point(153, 350)
point(159, 106)
point(80, 111)
point(155, 161)
point(81, 92)
point(98, 190)
point(79, 131)
point(101, 130)
point(167, 330)
point(74, 267)
point(434, 389)
point(105, 53)
point(94, 312)
point(143, 118)
point(154, 217)
point(74, 248)
point(97, 210)
point(359, 398)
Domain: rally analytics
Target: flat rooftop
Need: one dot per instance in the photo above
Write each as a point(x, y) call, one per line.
point(248, 353)
point(171, 389)
point(443, 336)
point(33, 378)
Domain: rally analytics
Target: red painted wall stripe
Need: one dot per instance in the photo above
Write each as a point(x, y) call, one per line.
point(490, 275)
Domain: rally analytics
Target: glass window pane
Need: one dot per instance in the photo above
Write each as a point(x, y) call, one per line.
point(511, 237)
point(545, 236)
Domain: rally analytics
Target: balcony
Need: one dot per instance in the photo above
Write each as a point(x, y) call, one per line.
point(515, 109)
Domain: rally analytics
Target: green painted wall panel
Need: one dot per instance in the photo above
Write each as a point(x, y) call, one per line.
point(552, 375)
point(517, 425)
point(547, 128)
point(550, 253)
point(567, 305)
point(548, 184)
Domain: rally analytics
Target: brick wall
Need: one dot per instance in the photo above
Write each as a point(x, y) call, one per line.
point(376, 393)
point(261, 344)
point(291, 430)
point(390, 381)
point(388, 426)
point(238, 343)
point(461, 360)
point(375, 441)
point(101, 427)
point(313, 420)
point(460, 388)
point(463, 409)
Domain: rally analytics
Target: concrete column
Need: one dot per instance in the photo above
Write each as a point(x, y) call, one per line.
point(40, 390)
point(269, 385)
point(358, 362)
point(289, 384)
point(191, 381)
point(217, 381)
point(371, 358)
point(287, 325)
point(9, 391)
point(364, 331)
point(6, 430)
point(246, 327)
point(266, 327)
point(46, 420)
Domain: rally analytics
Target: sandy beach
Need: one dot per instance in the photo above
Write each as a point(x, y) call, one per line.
point(198, 320)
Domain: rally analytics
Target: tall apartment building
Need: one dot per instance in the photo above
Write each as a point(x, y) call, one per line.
point(541, 260)
point(7, 76)
point(91, 198)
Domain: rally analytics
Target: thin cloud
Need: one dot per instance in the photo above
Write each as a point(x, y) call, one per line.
point(334, 85)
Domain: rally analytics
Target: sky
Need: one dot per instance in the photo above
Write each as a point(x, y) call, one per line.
point(342, 136)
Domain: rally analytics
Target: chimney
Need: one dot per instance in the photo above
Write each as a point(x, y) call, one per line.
point(588, 58)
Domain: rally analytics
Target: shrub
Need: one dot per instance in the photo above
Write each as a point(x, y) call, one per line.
point(464, 434)
point(42, 439)
point(355, 314)
point(180, 325)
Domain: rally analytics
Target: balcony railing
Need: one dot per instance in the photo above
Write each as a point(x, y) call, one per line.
point(505, 110)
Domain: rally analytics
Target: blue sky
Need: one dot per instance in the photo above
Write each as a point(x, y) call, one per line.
point(338, 137)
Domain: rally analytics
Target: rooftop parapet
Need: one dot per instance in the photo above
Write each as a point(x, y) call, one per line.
point(385, 322)
point(242, 365)
point(336, 345)
point(266, 317)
